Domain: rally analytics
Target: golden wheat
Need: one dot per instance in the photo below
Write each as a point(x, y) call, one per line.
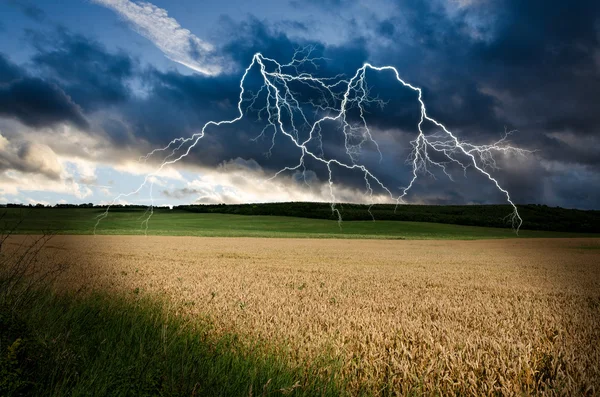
point(506, 317)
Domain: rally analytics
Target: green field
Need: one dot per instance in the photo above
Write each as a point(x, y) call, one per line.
point(183, 223)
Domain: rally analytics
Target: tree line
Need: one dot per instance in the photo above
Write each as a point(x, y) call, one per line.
point(535, 216)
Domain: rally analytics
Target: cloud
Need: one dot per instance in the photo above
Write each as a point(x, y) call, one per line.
point(37, 103)
point(176, 42)
point(40, 158)
point(9, 72)
point(181, 193)
point(244, 181)
point(34, 101)
point(30, 10)
point(28, 166)
point(481, 67)
point(29, 157)
point(15, 183)
point(142, 169)
point(178, 105)
point(92, 76)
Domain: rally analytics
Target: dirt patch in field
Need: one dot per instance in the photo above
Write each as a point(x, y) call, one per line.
point(466, 317)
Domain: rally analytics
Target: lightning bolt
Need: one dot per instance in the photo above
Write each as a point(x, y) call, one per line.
point(331, 99)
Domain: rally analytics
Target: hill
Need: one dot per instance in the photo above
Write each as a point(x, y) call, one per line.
point(535, 217)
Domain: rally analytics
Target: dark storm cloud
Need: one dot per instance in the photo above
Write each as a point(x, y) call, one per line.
point(327, 4)
point(530, 32)
point(533, 66)
point(253, 36)
point(175, 105)
point(463, 86)
point(29, 9)
point(34, 101)
point(530, 65)
point(545, 56)
point(179, 105)
point(294, 25)
point(386, 28)
point(576, 188)
point(9, 72)
point(117, 131)
point(91, 75)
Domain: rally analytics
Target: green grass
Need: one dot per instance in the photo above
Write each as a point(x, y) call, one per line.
point(101, 345)
point(181, 223)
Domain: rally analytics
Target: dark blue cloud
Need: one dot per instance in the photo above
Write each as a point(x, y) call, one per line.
point(9, 72)
point(531, 65)
point(329, 4)
point(91, 75)
point(34, 101)
point(29, 9)
point(251, 36)
point(532, 32)
point(386, 28)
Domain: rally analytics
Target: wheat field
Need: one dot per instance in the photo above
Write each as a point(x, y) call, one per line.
point(507, 317)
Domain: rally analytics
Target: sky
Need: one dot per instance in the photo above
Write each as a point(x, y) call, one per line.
point(89, 87)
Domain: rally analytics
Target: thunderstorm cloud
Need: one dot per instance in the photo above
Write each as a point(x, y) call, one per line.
point(86, 93)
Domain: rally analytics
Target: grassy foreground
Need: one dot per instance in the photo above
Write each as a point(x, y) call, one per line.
point(182, 223)
point(101, 345)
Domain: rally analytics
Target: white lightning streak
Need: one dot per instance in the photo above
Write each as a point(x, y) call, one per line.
point(284, 111)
